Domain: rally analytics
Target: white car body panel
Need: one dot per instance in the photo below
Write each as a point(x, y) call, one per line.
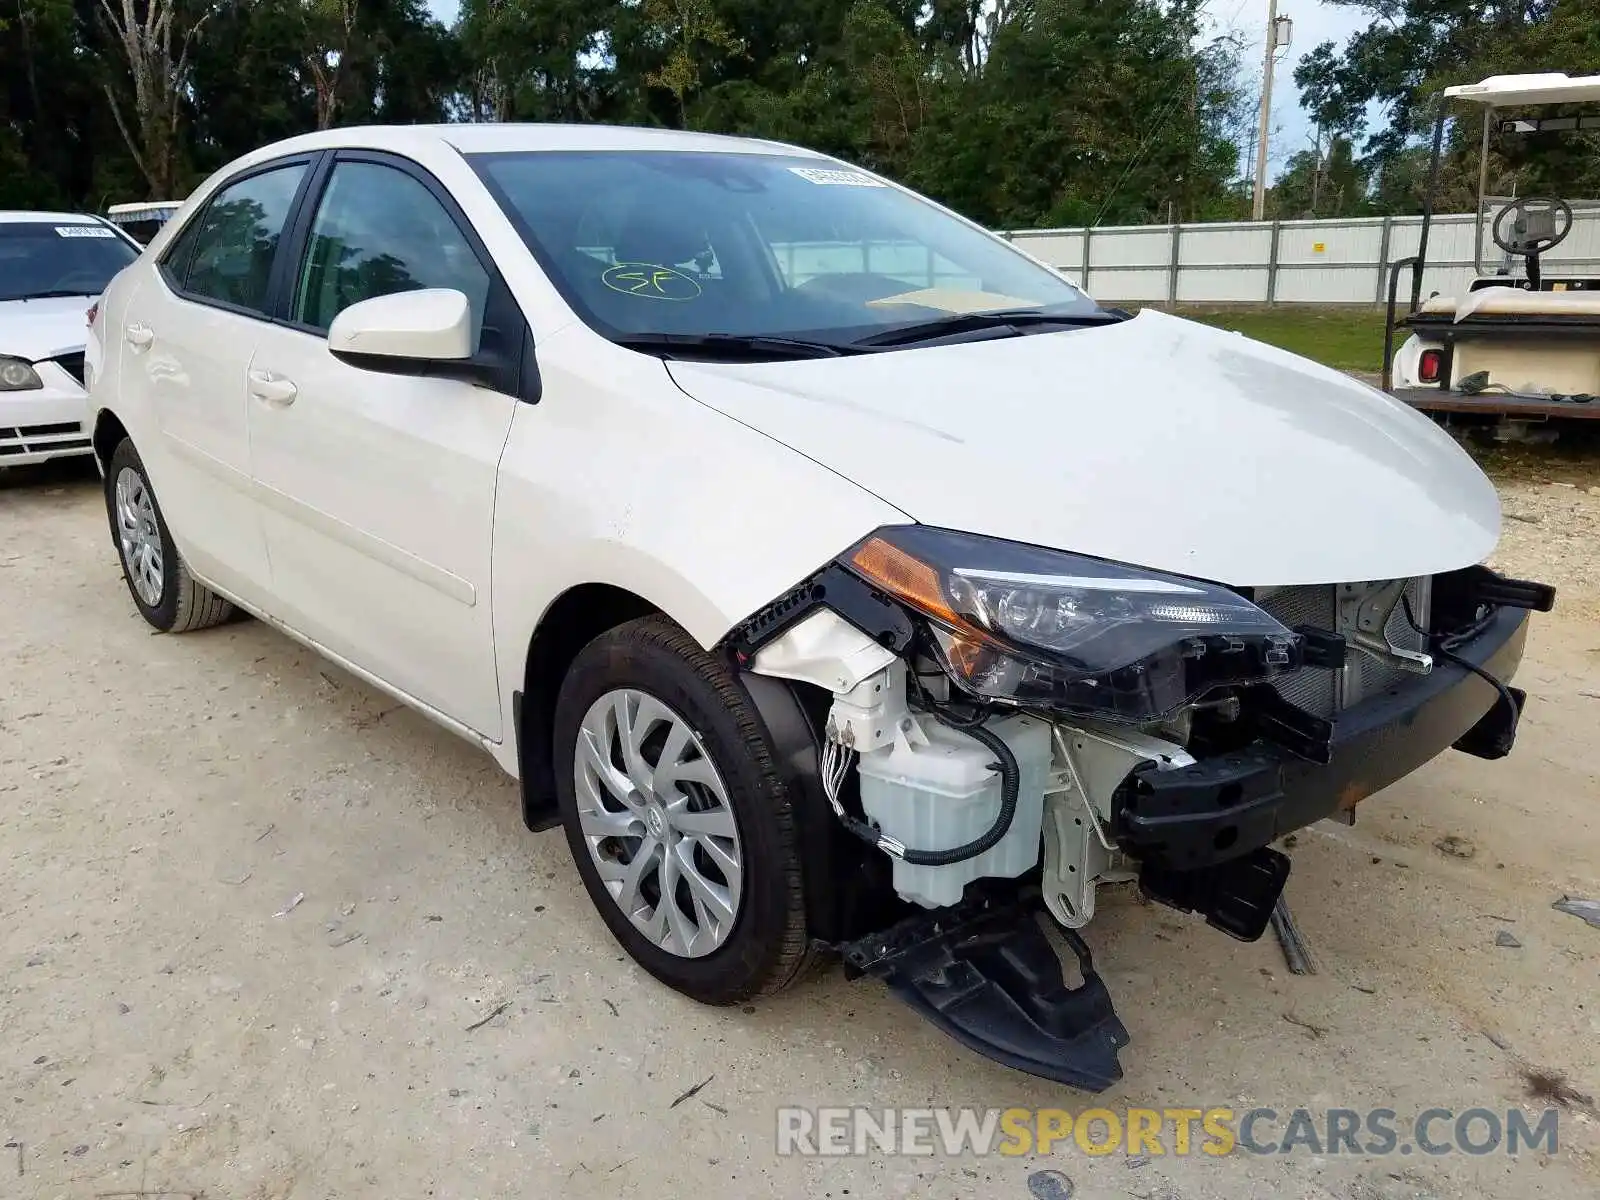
point(40, 329)
point(377, 497)
point(419, 530)
point(183, 399)
point(616, 477)
point(1158, 442)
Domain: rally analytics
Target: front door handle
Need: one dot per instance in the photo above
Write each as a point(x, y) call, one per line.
point(272, 389)
point(140, 335)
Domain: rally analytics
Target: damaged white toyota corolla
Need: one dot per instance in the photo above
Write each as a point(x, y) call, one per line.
point(842, 579)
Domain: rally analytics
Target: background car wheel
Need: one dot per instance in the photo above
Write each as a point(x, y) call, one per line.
point(679, 823)
point(166, 594)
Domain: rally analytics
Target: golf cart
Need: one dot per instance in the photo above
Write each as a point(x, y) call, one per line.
point(141, 221)
point(1523, 341)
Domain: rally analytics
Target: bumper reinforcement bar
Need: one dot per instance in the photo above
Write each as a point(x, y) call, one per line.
point(1226, 807)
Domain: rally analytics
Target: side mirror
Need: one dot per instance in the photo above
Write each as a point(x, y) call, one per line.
point(430, 325)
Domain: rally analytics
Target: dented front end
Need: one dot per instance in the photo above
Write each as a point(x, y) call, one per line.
point(1008, 728)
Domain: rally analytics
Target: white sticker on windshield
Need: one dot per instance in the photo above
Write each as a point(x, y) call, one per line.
point(835, 178)
point(99, 231)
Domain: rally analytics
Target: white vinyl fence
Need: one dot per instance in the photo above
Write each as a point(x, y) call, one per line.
point(1310, 262)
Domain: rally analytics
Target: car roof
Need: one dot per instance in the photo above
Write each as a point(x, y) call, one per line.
point(17, 216)
point(514, 137)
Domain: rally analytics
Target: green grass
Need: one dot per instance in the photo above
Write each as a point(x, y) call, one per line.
point(1349, 338)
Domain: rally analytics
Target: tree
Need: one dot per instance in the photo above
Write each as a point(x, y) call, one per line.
point(694, 34)
point(1337, 116)
point(154, 39)
point(1413, 50)
point(1016, 112)
point(329, 25)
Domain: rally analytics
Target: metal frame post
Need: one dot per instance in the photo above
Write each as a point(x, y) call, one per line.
point(1427, 208)
point(1383, 254)
point(1175, 265)
point(1272, 262)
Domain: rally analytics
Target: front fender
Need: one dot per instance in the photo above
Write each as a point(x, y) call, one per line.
point(616, 477)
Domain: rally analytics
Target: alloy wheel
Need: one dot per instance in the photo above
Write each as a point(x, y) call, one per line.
point(656, 819)
point(139, 536)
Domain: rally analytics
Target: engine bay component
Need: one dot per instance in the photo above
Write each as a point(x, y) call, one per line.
point(936, 788)
point(1366, 612)
point(1089, 764)
point(1057, 719)
point(823, 649)
point(1236, 896)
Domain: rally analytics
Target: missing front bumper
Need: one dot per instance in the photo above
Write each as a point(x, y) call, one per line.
point(1226, 807)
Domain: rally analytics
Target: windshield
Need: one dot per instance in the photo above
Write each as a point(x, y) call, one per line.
point(693, 243)
point(43, 259)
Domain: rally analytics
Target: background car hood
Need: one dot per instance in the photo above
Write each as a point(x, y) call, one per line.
point(1156, 441)
point(39, 329)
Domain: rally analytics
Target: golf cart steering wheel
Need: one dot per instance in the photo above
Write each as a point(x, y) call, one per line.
point(1541, 223)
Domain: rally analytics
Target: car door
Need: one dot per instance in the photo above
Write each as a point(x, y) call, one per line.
point(377, 490)
point(187, 338)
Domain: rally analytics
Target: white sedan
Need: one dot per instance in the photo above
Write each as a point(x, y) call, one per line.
point(52, 265)
point(843, 580)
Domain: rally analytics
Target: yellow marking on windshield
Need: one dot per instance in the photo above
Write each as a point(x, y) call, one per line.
point(651, 281)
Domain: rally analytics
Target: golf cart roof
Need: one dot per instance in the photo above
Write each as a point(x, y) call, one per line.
point(147, 206)
point(1550, 87)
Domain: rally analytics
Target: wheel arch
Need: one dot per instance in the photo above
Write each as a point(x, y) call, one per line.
point(573, 620)
point(108, 433)
point(791, 713)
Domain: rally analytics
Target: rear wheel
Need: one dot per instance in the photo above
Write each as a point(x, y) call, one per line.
point(679, 824)
point(166, 594)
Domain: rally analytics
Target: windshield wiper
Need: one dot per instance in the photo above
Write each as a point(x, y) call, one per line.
point(55, 295)
point(736, 346)
point(1008, 318)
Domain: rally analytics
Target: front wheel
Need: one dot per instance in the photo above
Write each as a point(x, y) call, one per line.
point(167, 595)
point(680, 826)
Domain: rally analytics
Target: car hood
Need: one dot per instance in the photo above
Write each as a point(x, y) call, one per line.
point(1156, 441)
point(40, 329)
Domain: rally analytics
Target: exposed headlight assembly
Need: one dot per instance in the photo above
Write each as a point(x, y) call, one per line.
point(16, 375)
point(1044, 628)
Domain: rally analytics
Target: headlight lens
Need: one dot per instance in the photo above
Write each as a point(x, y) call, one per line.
point(18, 376)
point(1046, 628)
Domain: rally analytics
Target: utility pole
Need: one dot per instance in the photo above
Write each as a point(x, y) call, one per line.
point(1279, 31)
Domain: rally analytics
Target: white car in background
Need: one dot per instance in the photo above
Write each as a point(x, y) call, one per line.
point(52, 266)
point(839, 577)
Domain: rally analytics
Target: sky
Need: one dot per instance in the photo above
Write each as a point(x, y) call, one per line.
point(1314, 21)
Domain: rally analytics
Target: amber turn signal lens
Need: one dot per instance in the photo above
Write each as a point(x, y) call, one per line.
point(898, 573)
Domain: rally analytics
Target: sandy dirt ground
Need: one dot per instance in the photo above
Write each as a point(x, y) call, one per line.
point(443, 1015)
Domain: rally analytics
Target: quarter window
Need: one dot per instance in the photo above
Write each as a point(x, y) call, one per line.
point(378, 231)
point(237, 239)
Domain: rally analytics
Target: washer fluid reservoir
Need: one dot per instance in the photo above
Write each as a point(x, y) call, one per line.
point(936, 788)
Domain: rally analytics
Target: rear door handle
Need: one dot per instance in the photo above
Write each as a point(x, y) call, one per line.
point(140, 335)
point(272, 389)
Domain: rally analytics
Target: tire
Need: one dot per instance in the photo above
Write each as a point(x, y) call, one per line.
point(661, 681)
point(169, 597)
